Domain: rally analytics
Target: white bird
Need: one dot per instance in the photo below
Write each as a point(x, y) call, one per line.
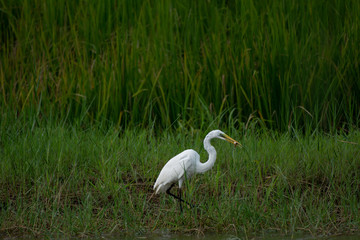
point(186, 164)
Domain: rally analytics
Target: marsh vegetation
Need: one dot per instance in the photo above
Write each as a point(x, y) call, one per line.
point(96, 96)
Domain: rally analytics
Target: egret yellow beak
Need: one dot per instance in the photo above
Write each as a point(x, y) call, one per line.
point(230, 140)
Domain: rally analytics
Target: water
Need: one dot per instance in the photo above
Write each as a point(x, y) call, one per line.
point(171, 236)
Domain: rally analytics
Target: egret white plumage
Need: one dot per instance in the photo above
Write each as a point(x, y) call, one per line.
point(186, 164)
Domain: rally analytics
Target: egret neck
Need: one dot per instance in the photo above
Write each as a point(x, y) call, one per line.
point(203, 167)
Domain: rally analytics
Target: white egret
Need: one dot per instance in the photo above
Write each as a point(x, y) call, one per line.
point(186, 164)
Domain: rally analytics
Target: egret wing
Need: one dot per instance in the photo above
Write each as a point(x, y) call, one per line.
point(176, 169)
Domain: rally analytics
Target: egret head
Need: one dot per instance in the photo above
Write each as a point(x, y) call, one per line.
point(221, 135)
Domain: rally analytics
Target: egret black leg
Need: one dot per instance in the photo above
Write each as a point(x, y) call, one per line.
point(178, 197)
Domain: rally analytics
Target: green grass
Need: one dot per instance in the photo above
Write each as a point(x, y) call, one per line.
point(71, 180)
point(97, 95)
point(187, 63)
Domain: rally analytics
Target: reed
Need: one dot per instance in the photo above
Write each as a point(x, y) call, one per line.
point(187, 64)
